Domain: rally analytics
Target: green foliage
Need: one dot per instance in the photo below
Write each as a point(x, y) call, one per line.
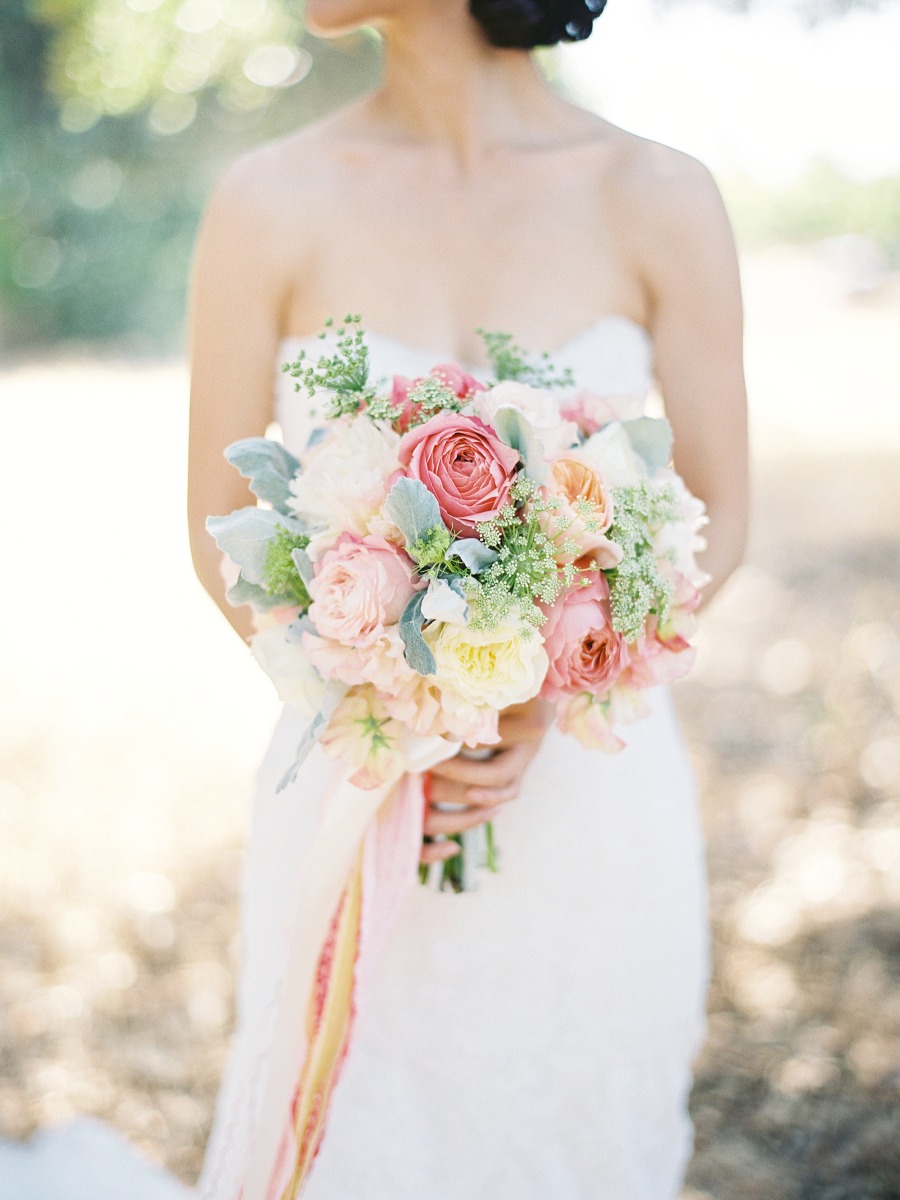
point(343, 374)
point(431, 396)
point(821, 203)
point(101, 185)
point(117, 115)
point(525, 569)
point(636, 586)
point(282, 578)
point(509, 361)
point(430, 551)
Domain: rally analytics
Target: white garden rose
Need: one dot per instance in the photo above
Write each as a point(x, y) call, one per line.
point(296, 680)
point(493, 667)
point(344, 482)
point(680, 541)
point(539, 407)
point(443, 603)
point(611, 455)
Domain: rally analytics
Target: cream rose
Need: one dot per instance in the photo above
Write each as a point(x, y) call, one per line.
point(680, 541)
point(285, 661)
point(611, 455)
point(344, 482)
point(539, 407)
point(493, 667)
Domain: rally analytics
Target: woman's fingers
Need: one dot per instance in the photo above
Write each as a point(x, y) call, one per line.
point(450, 791)
point(491, 797)
point(525, 722)
point(438, 851)
point(498, 771)
point(453, 822)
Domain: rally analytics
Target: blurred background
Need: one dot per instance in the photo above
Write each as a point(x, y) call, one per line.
point(133, 718)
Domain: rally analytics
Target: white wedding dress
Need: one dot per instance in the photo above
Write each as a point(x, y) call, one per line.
point(531, 1040)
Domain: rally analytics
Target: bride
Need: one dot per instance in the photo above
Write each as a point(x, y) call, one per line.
point(533, 1039)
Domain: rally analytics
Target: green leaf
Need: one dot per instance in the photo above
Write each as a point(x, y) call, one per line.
point(311, 735)
point(651, 440)
point(416, 650)
point(513, 429)
point(334, 694)
point(474, 553)
point(244, 592)
point(303, 563)
point(245, 535)
point(413, 509)
point(269, 467)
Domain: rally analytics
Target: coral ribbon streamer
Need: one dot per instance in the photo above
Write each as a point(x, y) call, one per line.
point(360, 867)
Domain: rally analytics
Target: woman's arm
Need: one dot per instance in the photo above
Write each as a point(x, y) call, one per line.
point(689, 262)
point(685, 251)
point(234, 328)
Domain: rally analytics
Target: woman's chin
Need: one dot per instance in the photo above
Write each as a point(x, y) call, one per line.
point(332, 18)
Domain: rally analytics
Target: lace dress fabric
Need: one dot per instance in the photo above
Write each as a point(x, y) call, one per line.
point(531, 1040)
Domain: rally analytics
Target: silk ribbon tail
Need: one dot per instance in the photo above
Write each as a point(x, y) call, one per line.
point(359, 869)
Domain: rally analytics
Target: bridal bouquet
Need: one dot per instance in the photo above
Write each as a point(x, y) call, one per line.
point(441, 550)
point(444, 549)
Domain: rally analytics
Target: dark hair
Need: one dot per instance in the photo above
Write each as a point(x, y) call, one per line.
point(524, 24)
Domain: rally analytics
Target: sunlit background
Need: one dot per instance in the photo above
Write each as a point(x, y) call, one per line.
point(132, 718)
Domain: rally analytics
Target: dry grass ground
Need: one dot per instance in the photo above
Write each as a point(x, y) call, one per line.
point(132, 721)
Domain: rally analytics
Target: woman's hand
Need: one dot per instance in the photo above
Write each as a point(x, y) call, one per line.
point(481, 785)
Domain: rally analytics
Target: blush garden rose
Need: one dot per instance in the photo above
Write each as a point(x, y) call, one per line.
point(464, 465)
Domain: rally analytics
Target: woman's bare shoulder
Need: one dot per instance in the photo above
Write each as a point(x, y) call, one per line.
point(663, 189)
point(281, 181)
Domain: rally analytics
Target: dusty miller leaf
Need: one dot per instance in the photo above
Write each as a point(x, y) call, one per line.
point(244, 535)
point(413, 509)
point(244, 592)
point(651, 440)
point(416, 650)
point(513, 429)
point(269, 467)
point(474, 553)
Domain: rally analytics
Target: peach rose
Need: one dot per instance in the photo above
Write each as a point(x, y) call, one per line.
point(464, 465)
point(585, 652)
point(579, 525)
point(360, 586)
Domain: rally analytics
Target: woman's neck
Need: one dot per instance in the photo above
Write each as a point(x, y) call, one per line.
point(445, 84)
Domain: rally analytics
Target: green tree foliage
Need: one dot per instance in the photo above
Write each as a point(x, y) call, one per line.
point(115, 118)
point(822, 203)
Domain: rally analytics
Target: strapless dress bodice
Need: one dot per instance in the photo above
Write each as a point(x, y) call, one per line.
point(613, 357)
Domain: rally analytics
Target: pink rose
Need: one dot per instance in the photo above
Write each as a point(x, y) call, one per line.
point(463, 386)
point(586, 718)
point(400, 390)
point(579, 525)
point(591, 411)
point(661, 654)
point(360, 586)
point(585, 652)
point(464, 465)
